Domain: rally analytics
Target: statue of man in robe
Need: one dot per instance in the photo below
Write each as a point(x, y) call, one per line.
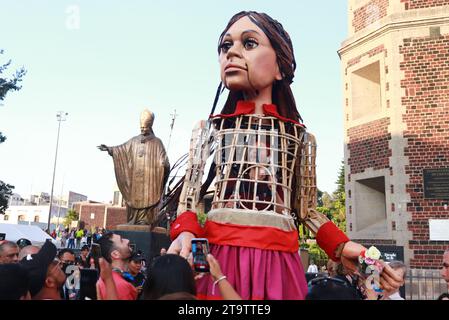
point(141, 168)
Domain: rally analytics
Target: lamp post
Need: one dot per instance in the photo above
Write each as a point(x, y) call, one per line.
point(173, 118)
point(60, 116)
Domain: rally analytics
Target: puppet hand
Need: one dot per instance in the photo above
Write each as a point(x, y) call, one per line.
point(182, 245)
point(350, 256)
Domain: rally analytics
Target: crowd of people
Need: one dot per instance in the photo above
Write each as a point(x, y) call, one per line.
point(75, 238)
point(43, 273)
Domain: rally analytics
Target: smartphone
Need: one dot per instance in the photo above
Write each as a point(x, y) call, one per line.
point(95, 252)
point(88, 281)
point(200, 250)
point(2, 236)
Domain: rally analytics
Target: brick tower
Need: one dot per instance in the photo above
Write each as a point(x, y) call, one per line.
point(395, 66)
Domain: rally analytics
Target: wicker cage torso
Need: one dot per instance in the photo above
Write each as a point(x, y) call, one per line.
point(256, 158)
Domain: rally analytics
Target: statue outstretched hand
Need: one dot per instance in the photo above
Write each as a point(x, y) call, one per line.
point(182, 245)
point(390, 279)
point(104, 147)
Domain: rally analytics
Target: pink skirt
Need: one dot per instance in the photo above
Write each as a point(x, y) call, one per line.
point(257, 274)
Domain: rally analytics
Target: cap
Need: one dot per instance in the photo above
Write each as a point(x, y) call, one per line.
point(37, 264)
point(136, 256)
point(22, 242)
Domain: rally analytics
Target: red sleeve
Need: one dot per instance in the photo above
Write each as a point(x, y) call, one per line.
point(186, 221)
point(329, 237)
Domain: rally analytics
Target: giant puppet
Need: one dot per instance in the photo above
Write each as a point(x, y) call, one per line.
point(263, 171)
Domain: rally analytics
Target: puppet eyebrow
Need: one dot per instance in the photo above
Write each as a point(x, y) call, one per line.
point(243, 33)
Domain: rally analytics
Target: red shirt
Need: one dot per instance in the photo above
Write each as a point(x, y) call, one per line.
point(125, 290)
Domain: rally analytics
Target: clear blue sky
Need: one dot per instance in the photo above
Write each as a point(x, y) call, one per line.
point(127, 55)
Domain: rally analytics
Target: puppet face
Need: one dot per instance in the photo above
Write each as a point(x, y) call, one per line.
point(247, 59)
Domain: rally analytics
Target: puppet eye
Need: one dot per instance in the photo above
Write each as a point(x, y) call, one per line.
point(250, 43)
point(225, 46)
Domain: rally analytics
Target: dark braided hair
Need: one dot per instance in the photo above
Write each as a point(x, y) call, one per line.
point(282, 45)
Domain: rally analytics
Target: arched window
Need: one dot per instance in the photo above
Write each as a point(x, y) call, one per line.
point(21, 218)
point(6, 217)
point(36, 218)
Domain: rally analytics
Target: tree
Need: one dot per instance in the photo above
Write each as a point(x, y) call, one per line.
point(71, 215)
point(5, 193)
point(339, 203)
point(7, 84)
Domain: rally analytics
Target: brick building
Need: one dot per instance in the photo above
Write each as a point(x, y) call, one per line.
point(395, 66)
point(100, 215)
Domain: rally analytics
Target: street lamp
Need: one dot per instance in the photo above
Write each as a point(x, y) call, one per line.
point(60, 116)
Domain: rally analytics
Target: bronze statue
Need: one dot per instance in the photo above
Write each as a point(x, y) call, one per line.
point(141, 169)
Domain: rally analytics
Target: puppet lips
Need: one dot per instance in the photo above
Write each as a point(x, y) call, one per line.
point(233, 67)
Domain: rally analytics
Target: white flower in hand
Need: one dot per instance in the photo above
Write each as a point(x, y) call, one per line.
point(372, 253)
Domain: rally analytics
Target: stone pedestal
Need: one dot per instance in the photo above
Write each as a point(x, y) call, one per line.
point(141, 238)
point(141, 228)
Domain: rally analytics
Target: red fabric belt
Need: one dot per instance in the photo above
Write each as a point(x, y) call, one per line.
point(267, 238)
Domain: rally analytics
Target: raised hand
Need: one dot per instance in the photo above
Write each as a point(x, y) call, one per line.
point(182, 245)
point(214, 267)
point(103, 147)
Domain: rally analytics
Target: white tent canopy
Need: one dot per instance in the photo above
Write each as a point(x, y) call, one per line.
point(33, 233)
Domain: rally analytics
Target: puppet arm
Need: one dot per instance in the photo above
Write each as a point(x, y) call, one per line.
point(198, 153)
point(329, 237)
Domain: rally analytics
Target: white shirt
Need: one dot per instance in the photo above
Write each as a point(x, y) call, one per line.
point(394, 296)
point(312, 268)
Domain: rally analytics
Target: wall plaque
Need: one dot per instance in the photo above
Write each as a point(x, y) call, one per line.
point(436, 183)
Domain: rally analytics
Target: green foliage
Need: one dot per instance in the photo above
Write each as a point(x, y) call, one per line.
point(339, 203)
point(7, 84)
point(5, 193)
point(333, 206)
point(340, 192)
point(326, 211)
point(319, 197)
point(71, 215)
point(316, 254)
point(304, 233)
point(202, 217)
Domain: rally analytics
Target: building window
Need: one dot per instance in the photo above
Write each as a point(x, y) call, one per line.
point(366, 91)
point(22, 217)
point(370, 204)
point(36, 218)
point(6, 217)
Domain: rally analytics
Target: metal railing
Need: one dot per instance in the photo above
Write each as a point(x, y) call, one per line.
point(424, 284)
